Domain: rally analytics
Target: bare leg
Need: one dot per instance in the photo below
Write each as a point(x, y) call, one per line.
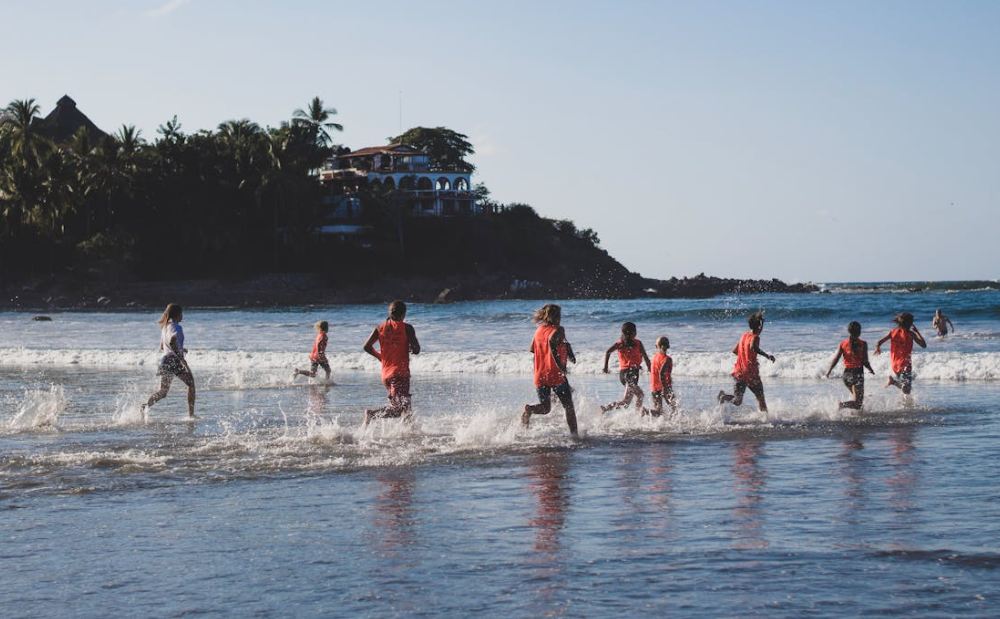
point(570, 417)
point(165, 381)
point(542, 408)
point(188, 380)
point(309, 373)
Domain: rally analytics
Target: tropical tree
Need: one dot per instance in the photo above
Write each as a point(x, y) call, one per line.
point(315, 118)
point(447, 149)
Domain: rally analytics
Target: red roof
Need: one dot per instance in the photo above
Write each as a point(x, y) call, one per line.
point(377, 150)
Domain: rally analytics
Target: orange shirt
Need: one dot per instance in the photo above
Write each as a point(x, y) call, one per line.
point(547, 373)
point(629, 355)
point(319, 348)
point(659, 359)
point(853, 361)
point(901, 347)
point(746, 369)
point(394, 347)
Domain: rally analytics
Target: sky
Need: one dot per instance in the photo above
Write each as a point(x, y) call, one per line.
point(848, 140)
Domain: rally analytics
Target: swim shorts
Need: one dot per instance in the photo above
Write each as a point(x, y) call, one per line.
point(854, 376)
point(170, 365)
point(563, 392)
point(629, 376)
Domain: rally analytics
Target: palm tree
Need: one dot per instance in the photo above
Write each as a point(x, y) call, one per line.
point(20, 123)
point(21, 176)
point(315, 118)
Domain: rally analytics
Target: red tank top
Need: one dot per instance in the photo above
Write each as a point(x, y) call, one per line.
point(853, 361)
point(659, 359)
point(394, 346)
point(629, 356)
point(746, 369)
point(547, 373)
point(901, 347)
point(319, 348)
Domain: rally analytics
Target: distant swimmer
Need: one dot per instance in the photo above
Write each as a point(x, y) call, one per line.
point(173, 363)
point(854, 350)
point(631, 355)
point(318, 355)
point(900, 350)
point(746, 372)
point(941, 324)
point(396, 341)
point(551, 352)
point(661, 384)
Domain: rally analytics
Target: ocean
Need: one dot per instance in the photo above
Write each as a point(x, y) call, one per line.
point(277, 502)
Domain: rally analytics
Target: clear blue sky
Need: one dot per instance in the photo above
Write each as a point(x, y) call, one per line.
point(810, 141)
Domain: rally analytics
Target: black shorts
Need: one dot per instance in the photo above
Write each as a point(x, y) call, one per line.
point(319, 364)
point(756, 387)
point(854, 377)
point(629, 376)
point(563, 392)
point(905, 380)
point(170, 365)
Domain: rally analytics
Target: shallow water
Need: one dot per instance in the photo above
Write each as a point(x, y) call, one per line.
point(277, 502)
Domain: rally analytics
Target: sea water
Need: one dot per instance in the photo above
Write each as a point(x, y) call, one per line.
point(277, 502)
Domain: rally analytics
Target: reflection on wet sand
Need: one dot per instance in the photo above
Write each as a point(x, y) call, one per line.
point(549, 483)
point(394, 517)
point(749, 487)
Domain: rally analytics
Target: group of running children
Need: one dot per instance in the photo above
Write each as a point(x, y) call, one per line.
point(397, 340)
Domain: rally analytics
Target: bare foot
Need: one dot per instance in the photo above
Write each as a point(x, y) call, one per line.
point(721, 397)
point(888, 383)
point(525, 415)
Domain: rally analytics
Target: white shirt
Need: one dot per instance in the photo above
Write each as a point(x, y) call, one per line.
point(170, 331)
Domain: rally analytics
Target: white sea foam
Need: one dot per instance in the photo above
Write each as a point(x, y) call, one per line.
point(38, 408)
point(257, 370)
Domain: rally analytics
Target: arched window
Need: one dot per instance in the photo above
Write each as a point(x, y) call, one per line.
point(443, 184)
point(389, 183)
point(425, 183)
point(407, 183)
point(461, 184)
point(376, 184)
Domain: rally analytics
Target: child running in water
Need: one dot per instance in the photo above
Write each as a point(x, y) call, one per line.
point(396, 340)
point(551, 351)
point(172, 364)
point(746, 372)
point(318, 355)
point(854, 350)
point(900, 350)
point(660, 381)
point(631, 354)
point(941, 324)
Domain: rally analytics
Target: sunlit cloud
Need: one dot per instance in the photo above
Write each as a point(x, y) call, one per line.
point(167, 8)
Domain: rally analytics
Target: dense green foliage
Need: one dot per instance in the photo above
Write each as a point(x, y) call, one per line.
point(244, 199)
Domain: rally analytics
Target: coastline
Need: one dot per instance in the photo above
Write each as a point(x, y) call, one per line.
point(308, 289)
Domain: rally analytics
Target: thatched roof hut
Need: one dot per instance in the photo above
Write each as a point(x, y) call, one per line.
point(65, 120)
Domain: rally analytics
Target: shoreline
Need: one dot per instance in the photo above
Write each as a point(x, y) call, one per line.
point(311, 289)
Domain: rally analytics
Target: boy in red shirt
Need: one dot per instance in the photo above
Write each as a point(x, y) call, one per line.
point(551, 351)
point(746, 372)
point(318, 355)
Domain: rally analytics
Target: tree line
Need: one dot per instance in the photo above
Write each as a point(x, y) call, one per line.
point(241, 199)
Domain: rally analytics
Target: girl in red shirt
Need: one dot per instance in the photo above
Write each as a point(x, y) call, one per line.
point(746, 372)
point(318, 355)
point(901, 341)
point(551, 352)
point(661, 384)
point(631, 355)
point(854, 350)
point(396, 341)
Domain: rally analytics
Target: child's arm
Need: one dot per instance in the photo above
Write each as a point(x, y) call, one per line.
point(919, 339)
point(554, 341)
point(569, 352)
point(411, 336)
point(665, 370)
point(756, 348)
point(948, 322)
point(835, 361)
point(878, 346)
point(369, 348)
point(864, 358)
point(607, 355)
point(642, 349)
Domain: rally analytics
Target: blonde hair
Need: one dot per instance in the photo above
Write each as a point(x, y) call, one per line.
point(663, 342)
point(548, 314)
point(173, 312)
point(322, 326)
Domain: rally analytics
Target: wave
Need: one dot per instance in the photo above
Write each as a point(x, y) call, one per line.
point(255, 370)
point(951, 287)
